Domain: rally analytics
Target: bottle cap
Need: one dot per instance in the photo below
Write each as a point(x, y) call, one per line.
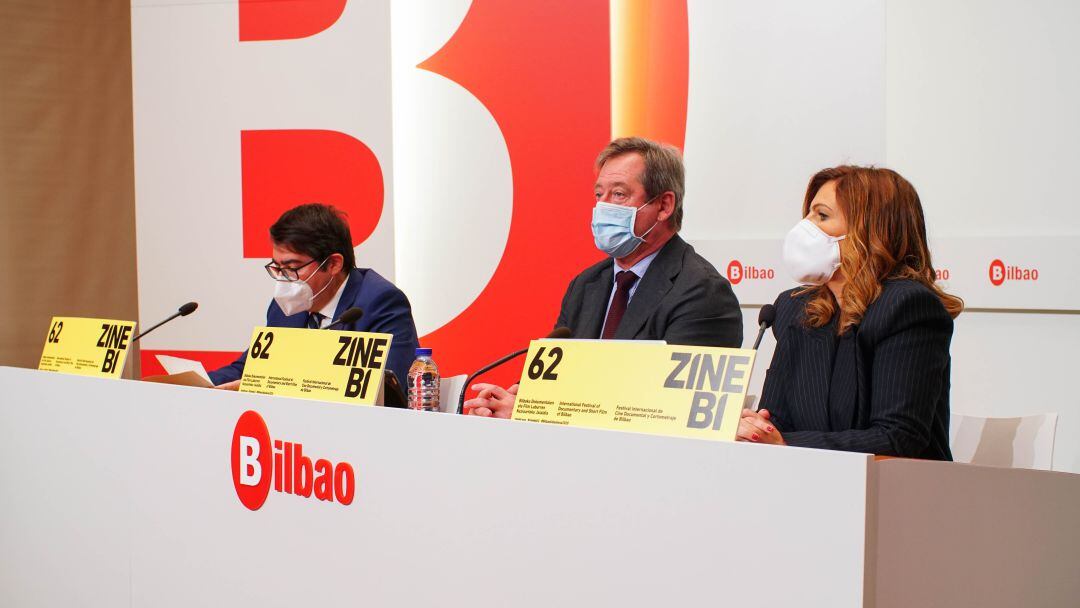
point(423, 352)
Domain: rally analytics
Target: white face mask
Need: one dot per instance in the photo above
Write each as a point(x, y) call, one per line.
point(295, 296)
point(811, 256)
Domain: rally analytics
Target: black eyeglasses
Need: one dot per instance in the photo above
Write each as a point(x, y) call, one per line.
point(285, 274)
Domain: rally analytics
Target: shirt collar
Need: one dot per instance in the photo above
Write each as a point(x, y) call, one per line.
point(639, 269)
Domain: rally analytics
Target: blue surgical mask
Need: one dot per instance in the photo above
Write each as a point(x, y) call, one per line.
point(613, 228)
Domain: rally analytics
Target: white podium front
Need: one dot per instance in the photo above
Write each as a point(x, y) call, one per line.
point(120, 493)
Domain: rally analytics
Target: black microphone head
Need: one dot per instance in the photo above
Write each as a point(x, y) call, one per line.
point(560, 333)
point(767, 316)
point(351, 315)
point(188, 308)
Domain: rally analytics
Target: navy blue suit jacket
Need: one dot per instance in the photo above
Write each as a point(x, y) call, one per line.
point(890, 398)
point(386, 310)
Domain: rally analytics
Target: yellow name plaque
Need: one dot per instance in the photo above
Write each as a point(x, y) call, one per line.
point(87, 347)
point(324, 365)
point(686, 391)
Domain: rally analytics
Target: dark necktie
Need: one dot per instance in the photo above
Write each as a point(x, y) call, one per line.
point(624, 280)
point(315, 320)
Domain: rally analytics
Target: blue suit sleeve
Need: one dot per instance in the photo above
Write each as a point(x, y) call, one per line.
point(392, 314)
point(230, 372)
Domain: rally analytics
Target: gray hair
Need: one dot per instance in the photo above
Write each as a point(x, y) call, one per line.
point(664, 170)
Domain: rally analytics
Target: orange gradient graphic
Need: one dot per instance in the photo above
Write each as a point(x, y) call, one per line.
point(650, 69)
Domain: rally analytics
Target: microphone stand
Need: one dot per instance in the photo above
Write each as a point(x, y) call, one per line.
point(174, 315)
point(483, 370)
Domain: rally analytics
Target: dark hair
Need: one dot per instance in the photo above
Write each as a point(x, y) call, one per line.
point(315, 230)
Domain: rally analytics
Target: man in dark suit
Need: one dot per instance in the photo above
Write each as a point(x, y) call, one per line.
point(314, 267)
point(655, 286)
point(682, 299)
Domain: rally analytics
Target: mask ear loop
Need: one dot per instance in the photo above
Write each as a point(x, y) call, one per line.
point(634, 221)
point(839, 254)
point(313, 274)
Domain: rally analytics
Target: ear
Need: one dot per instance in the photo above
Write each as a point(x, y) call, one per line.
point(667, 206)
point(335, 263)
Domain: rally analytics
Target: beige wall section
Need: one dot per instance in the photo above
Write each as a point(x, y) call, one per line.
point(67, 195)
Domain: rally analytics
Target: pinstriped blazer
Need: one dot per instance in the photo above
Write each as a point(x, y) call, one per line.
point(882, 388)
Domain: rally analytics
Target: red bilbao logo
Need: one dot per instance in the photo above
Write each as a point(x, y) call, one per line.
point(256, 466)
point(999, 273)
point(736, 272)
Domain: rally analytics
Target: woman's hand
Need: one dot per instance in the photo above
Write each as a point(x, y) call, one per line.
point(758, 428)
point(493, 401)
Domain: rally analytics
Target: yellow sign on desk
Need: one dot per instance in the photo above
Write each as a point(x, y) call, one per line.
point(87, 347)
point(325, 365)
point(687, 391)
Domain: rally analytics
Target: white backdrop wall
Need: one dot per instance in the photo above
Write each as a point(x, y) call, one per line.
point(982, 116)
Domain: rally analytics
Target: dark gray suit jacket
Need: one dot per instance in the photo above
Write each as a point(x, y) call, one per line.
point(681, 299)
point(882, 388)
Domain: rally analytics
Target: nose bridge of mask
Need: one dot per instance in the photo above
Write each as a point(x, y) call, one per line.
point(288, 287)
point(819, 233)
point(620, 213)
point(610, 213)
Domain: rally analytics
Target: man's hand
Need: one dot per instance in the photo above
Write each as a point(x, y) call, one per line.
point(493, 401)
point(758, 428)
point(229, 386)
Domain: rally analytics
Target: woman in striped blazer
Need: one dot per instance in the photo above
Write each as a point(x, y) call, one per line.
point(862, 348)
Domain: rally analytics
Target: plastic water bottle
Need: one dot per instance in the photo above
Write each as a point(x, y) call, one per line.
point(424, 382)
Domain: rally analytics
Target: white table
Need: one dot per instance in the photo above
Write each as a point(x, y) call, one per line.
point(120, 493)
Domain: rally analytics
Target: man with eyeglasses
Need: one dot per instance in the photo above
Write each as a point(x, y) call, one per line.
point(316, 279)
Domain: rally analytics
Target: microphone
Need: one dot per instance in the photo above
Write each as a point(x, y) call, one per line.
point(559, 333)
point(393, 393)
point(349, 316)
point(183, 311)
point(765, 320)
